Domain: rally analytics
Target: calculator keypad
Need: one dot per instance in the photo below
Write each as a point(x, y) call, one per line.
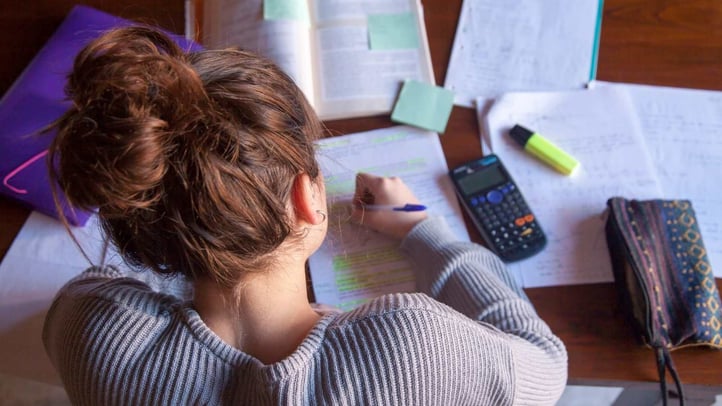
point(507, 219)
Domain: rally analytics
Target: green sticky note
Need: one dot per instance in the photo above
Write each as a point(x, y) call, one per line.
point(285, 10)
point(423, 105)
point(392, 31)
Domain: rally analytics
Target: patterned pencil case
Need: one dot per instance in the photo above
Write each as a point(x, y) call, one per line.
point(665, 281)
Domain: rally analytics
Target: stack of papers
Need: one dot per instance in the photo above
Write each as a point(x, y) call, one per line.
point(633, 141)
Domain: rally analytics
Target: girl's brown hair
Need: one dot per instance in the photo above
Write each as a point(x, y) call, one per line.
point(189, 158)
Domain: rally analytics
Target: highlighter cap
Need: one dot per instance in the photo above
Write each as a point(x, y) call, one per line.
point(520, 134)
point(544, 149)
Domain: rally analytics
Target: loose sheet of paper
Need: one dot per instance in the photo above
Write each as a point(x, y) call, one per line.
point(523, 45)
point(600, 130)
point(683, 132)
point(42, 258)
point(355, 264)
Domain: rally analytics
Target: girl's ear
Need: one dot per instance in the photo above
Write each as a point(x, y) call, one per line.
point(308, 199)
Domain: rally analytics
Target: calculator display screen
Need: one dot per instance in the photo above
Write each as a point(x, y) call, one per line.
point(481, 180)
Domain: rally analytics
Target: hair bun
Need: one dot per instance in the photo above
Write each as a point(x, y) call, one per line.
point(133, 92)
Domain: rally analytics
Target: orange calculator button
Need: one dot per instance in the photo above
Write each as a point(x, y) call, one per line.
point(529, 218)
point(519, 221)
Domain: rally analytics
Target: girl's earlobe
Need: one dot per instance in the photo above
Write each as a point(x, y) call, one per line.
point(322, 215)
point(305, 199)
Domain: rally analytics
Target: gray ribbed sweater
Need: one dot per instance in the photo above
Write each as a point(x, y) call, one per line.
point(116, 342)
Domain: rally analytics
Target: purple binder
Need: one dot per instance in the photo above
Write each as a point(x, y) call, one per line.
point(35, 100)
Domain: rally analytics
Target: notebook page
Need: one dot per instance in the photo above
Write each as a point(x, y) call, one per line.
point(355, 264)
point(683, 132)
point(523, 45)
point(600, 130)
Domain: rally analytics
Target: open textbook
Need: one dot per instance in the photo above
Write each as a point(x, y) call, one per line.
point(349, 57)
point(355, 264)
point(523, 45)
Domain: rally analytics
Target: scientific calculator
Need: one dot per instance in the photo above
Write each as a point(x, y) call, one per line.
point(496, 206)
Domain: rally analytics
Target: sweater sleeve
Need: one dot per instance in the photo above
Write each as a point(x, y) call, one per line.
point(104, 332)
point(475, 282)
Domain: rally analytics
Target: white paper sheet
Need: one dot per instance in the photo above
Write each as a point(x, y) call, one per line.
point(41, 259)
point(355, 264)
point(600, 130)
point(523, 45)
point(683, 132)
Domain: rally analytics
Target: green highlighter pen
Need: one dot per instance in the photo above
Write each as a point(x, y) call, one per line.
point(543, 149)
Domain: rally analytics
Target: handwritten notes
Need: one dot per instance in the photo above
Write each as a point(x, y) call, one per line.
point(683, 131)
point(528, 45)
point(355, 264)
point(598, 128)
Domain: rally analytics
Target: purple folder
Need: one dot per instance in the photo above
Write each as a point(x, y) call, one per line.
point(35, 100)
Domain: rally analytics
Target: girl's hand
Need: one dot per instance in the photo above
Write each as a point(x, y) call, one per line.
point(378, 190)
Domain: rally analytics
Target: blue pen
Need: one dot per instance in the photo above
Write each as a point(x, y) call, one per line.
point(391, 207)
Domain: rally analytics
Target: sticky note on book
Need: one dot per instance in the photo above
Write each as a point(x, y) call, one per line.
point(423, 105)
point(295, 10)
point(392, 31)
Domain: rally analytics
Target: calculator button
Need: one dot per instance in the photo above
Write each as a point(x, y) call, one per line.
point(494, 197)
point(529, 218)
point(519, 221)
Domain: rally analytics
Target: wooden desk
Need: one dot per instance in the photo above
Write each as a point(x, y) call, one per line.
point(662, 42)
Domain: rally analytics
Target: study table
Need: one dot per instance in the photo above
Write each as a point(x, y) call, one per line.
point(659, 42)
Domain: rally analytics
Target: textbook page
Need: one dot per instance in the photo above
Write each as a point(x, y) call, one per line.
point(683, 131)
point(356, 264)
point(329, 52)
point(353, 78)
point(240, 24)
point(523, 45)
point(600, 130)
